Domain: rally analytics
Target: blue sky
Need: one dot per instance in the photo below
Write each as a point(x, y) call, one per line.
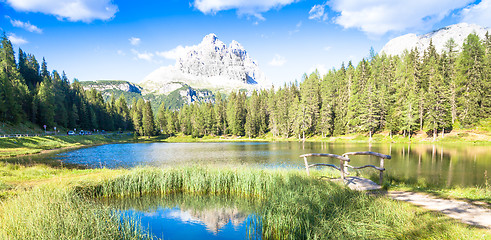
point(126, 40)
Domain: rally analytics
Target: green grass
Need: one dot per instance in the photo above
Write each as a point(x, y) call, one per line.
point(316, 208)
point(66, 204)
point(10, 147)
point(50, 213)
point(21, 128)
point(472, 194)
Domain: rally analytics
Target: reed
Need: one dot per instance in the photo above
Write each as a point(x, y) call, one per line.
point(47, 213)
point(292, 205)
point(289, 205)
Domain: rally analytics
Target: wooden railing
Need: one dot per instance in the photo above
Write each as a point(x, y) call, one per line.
point(344, 160)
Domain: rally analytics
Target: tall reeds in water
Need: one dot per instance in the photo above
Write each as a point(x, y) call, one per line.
point(47, 213)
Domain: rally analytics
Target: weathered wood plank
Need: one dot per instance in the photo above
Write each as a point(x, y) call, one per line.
point(369, 153)
point(326, 155)
point(372, 166)
point(325, 164)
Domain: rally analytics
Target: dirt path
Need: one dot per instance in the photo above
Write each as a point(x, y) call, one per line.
point(463, 211)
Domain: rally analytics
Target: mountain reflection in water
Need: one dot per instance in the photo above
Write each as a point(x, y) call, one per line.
point(191, 217)
point(213, 219)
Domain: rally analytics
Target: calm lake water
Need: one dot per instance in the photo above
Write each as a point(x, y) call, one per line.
point(446, 165)
point(191, 217)
point(210, 218)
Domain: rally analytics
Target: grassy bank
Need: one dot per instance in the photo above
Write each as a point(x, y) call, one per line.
point(289, 204)
point(480, 195)
point(10, 147)
point(456, 136)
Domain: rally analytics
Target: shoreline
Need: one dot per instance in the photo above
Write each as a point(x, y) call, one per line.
point(38, 146)
point(79, 141)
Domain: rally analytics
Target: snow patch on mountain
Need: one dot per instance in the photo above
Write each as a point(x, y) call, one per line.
point(208, 65)
point(458, 32)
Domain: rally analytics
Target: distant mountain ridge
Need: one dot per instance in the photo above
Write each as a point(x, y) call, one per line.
point(174, 99)
point(105, 85)
point(458, 32)
point(209, 65)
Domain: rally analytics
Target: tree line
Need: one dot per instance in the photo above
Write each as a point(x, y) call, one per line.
point(432, 92)
point(29, 92)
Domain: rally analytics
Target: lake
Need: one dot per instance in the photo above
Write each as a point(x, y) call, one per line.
point(212, 217)
point(445, 165)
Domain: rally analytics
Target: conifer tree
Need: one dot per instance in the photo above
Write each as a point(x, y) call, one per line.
point(343, 82)
point(471, 64)
point(162, 119)
point(450, 75)
point(310, 103)
point(136, 115)
point(147, 119)
point(14, 90)
point(123, 113)
point(47, 107)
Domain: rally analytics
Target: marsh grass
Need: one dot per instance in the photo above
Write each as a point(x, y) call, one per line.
point(292, 205)
point(289, 204)
point(47, 213)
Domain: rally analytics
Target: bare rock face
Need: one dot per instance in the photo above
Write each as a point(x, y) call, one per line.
point(458, 32)
point(209, 65)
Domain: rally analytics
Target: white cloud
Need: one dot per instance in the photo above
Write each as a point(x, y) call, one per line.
point(327, 48)
point(277, 61)
point(321, 68)
point(121, 53)
point(71, 10)
point(297, 28)
point(175, 53)
point(25, 25)
point(16, 40)
point(243, 7)
point(135, 41)
point(381, 16)
point(144, 56)
point(317, 12)
point(479, 13)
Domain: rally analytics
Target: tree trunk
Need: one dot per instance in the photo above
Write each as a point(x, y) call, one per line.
point(434, 134)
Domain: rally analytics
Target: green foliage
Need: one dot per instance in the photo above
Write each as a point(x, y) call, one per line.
point(147, 120)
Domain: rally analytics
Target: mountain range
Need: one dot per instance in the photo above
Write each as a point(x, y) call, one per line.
point(457, 32)
point(212, 67)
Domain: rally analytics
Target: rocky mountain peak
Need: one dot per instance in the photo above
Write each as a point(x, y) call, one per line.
point(458, 32)
point(209, 65)
point(209, 39)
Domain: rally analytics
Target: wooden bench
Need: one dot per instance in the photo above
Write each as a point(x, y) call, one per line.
point(344, 160)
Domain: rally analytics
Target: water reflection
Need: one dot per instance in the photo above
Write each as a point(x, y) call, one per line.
point(192, 217)
point(445, 165)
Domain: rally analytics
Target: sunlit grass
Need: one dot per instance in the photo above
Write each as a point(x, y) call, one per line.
point(480, 193)
point(290, 204)
point(53, 213)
